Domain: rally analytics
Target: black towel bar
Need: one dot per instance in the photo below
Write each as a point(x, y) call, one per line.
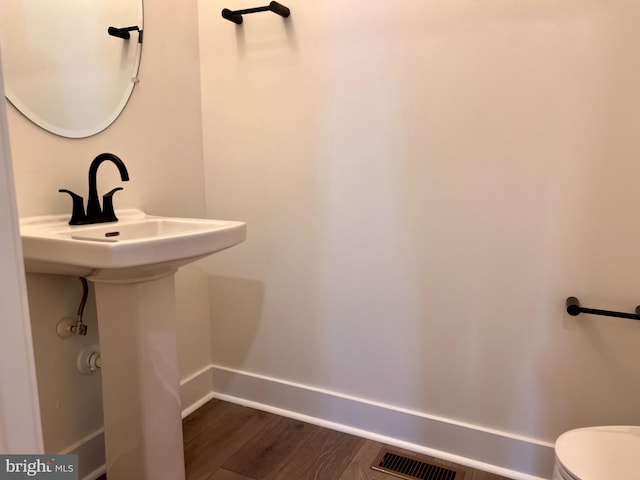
point(574, 309)
point(235, 16)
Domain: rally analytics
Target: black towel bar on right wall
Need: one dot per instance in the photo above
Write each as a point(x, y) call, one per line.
point(235, 16)
point(574, 309)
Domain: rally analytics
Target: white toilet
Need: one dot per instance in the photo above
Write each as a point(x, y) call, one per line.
point(598, 453)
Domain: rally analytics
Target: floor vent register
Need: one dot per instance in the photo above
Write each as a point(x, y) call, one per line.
point(412, 469)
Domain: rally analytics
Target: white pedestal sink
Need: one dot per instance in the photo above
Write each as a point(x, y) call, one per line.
point(132, 263)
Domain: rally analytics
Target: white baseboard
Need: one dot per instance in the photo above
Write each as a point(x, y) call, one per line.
point(90, 451)
point(502, 453)
point(196, 390)
point(498, 452)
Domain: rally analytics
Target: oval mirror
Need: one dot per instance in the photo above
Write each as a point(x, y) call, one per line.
point(63, 69)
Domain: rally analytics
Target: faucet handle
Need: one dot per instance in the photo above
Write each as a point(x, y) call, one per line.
point(108, 213)
point(77, 215)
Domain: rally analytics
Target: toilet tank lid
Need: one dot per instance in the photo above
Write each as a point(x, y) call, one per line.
point(601, 452)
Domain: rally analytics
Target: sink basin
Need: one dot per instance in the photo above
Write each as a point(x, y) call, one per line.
point(138, 245)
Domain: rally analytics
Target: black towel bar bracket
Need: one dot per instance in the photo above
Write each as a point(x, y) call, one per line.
point(124, 32)
point(574, 309)
point(235, 16)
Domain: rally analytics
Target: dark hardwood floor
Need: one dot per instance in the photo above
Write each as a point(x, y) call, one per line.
point(224, 441)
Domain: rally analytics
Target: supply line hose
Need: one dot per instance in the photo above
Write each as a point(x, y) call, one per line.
point(80, 328)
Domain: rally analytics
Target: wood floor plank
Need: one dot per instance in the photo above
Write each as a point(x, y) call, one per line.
point(323, 456)
point(225, 435)
point(223, 474)
point(359, 468)
point(200, 420)
point(268, 451)
point(225, 441)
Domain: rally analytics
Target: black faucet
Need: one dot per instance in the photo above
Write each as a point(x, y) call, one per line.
point(95, 214)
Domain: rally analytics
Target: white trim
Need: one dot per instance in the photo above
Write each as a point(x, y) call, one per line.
point(504, 453)
point(515, 475)
point(96, 473)
point(20, 425)
point(196, 390)
point(90, 451)
point(491, 450)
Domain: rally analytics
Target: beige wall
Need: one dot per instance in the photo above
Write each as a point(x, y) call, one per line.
point(159, 137)
point(424, 185)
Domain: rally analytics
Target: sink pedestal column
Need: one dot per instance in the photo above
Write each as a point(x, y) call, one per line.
point(140, 378)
